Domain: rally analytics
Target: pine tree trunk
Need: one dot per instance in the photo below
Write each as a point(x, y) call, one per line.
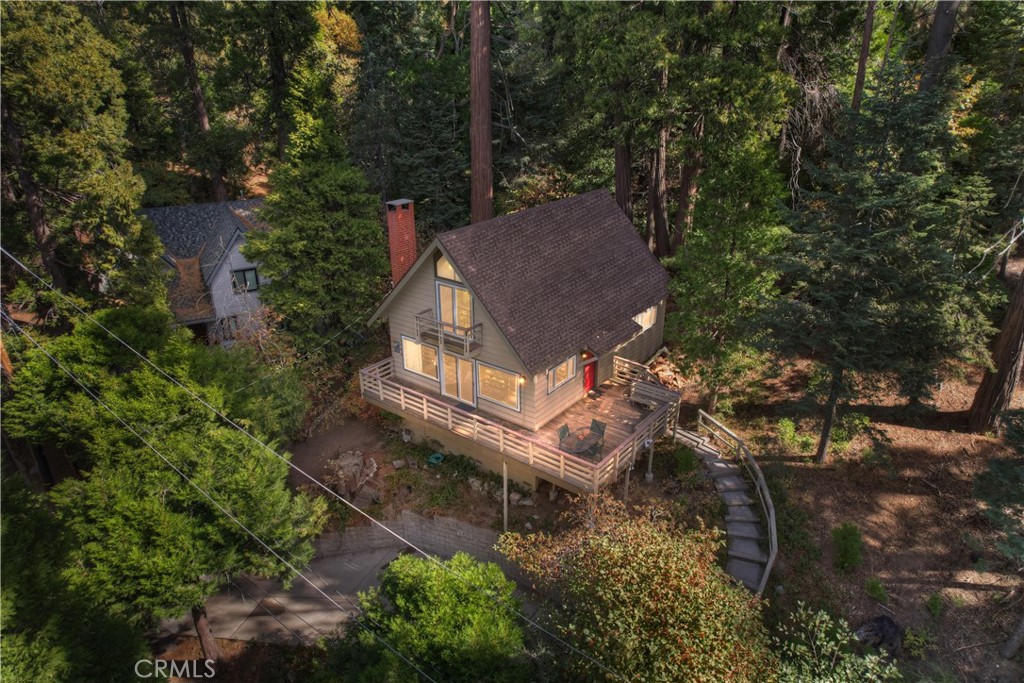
point(996, 389)
point(1009, 649)
point(206, 639)
point(939, 41)
point(713, 399)
point(689, 174)
point(481, 185)
point(32, 197)
point(279, 93)
point(623, 171)
point(663, 247)
point(865, 51)
point(179, 17)
point(821, 457)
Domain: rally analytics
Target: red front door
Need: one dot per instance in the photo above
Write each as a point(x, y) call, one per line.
point(589, 377)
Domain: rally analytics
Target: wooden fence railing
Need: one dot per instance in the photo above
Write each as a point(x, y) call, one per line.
point(377, 385)
point(732, 443)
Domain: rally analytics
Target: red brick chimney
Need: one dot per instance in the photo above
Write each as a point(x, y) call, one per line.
point(401, 237)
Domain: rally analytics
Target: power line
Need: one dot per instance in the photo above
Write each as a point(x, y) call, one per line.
point(206, 495)
point(313, 479)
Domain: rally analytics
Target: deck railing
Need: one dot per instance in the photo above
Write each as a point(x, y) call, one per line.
point(454, 338)
point(731, 442)
point(377, 385)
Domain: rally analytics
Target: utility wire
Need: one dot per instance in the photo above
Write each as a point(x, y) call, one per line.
point(316, 481)
point(206, 495)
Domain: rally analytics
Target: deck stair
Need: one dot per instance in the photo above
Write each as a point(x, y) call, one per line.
point(748, 511)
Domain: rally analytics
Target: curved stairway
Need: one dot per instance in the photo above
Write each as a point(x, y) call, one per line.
point(747, 560)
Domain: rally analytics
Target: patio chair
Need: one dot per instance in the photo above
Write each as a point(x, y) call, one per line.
point(563, 434)
point(597, 427)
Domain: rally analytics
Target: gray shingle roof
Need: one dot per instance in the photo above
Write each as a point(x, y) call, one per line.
point(560, 277)
point(202, 230)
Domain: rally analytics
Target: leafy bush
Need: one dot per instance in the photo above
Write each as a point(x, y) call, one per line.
point(849, 546)
point(917, 643)
point(876, 591)
point(850, 426)
point(451, 624)
point(817, 647)
point(644, 597)
point(685, 460)
point(791, 438)
point(935, 604)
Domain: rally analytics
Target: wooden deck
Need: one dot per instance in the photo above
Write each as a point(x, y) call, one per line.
point(609, 405)
point(630, 430)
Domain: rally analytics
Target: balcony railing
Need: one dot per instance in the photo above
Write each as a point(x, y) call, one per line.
point(379, 387)
point(454, 338)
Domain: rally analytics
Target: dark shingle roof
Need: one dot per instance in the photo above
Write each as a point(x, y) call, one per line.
point(202, 230)
point(561, 277)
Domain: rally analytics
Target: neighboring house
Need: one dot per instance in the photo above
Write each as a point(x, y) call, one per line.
point(507, 333)
point(215, 290)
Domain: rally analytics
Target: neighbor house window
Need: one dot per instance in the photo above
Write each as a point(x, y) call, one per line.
point(561, 373)
point(445, 270)
point(497, 385)
point(646, 319)
point(245, 280)
point(419, 358)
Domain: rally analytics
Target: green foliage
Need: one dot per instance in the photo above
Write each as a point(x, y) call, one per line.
point(936, 605)
point(816, 646)
point(917, 643)
point(64, 99)
point(876, 591)
point(644, 597)
point(325, 255)
point(685, 461)
point(786, 430)
point(53, 632)
point(849, 545)
point(454, 624)
point(848, 428)
point(146, 544)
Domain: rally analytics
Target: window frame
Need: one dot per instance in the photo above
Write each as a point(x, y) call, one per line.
point(437, 359)
point(455, 276)
point(245, 290)
point(438, 284)
point(519, 387)
point(552, 387)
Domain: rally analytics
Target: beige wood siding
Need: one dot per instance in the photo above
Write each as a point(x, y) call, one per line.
point(418, 295)
point(639, 348)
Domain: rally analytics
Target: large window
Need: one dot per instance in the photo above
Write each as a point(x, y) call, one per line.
point(419, 358)
point(497, 385)
point(646, 319)
point(444, 269)
point(245, 280)
point(455, 308)
point(561, 373)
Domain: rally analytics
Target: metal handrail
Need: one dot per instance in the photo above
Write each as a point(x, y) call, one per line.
point(739, 447)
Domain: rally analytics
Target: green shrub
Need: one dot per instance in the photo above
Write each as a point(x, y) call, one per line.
point(849, 546)
point(876, 591)
point(817, 647)
point(936, 605)
point(685, 461)
point(917, 643)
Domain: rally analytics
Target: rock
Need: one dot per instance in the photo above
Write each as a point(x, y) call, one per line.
point(514, 497)
point(476, 484)
point(553, 494)
point(413, 465)
point(780, 589)
point(526, 502)
point(528, 526)
point(398, 464)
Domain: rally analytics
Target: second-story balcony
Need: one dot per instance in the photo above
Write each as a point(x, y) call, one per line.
point(464, 341)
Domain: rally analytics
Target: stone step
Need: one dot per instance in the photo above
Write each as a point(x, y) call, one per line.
point(747, 572)
point(749, 530)
point(732, 483)
point(736, 498)
point(742, 514)
point(745, 549)
point(722, 468)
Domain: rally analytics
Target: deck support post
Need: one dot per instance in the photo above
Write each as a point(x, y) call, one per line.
point(625, 488)
point(650, 463)
point(504, 491)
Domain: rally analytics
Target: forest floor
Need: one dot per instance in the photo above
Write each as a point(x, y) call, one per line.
point(907, 484)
